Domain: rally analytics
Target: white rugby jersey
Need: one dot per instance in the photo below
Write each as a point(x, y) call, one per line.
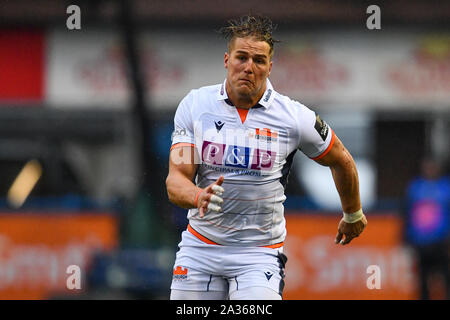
point(254, 153)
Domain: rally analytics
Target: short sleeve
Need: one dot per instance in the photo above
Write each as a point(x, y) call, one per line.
point(183, 125)
point(316, 136)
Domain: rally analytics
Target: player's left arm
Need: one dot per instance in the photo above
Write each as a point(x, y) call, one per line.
point(345, 176)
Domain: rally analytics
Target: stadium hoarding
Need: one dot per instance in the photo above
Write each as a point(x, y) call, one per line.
point(22, 65)
point(319, 269)
point(357, 70)
point(36, 249)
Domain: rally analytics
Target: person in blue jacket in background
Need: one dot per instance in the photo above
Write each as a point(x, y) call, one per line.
point(427, 226)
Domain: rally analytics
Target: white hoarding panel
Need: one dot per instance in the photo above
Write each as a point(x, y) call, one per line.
point(357, 70)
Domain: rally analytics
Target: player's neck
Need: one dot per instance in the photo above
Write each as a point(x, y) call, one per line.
point(244, 101)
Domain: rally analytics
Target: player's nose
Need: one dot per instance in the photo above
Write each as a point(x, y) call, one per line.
point(248, 68)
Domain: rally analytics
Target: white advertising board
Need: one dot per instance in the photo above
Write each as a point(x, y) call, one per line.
point(361, 70)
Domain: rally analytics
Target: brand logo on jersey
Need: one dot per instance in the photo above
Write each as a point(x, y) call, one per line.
point(237, 156)
point(178, 132)
point(321, 127)
point(268, 275)
point(180, 273)
point(269, 93)
point(266, 134)
point(219, 124)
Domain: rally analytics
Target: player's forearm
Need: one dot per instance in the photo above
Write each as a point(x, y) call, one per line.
point(181, 191)
point(345, 177)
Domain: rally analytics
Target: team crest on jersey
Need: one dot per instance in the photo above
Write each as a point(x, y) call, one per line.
point(321, 127)
point(180, 273)
point(266, 134)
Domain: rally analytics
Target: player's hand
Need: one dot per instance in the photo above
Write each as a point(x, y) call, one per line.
point(350, 230)
point(211, 198)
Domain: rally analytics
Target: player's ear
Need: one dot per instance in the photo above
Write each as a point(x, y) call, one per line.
point(225, 60)
point(270, 67)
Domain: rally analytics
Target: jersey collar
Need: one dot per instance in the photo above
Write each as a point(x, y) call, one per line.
point(265, 101)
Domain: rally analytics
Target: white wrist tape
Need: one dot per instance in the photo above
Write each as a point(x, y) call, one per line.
point(353, 217)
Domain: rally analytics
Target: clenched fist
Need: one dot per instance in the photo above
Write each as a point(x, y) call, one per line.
point(350, 230)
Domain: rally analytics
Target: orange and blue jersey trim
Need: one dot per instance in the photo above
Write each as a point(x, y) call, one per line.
point(208, 241)
point(327, 150)
point(242, 114)
point(181, 144)
point(199, 236)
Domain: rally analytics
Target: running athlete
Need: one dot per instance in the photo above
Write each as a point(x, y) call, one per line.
point(232, 148)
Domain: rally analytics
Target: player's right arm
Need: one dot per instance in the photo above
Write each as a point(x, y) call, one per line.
point(180, 187)
point(184, 162)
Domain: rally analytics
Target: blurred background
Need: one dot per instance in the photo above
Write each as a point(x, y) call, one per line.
point(86, 117)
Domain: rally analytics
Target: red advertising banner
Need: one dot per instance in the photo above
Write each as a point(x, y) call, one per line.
point(37, 249)
point(317, 268)
point(22, 63)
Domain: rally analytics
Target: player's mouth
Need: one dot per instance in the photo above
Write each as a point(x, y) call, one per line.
point(246, 81)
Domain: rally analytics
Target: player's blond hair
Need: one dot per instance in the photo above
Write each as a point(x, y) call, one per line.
point(259, 27)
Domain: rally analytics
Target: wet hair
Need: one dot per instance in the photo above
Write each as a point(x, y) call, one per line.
point(258, 27)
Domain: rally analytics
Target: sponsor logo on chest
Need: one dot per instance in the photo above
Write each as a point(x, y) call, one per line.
point(237, 156)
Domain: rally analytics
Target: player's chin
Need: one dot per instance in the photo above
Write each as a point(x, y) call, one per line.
point(245, 90)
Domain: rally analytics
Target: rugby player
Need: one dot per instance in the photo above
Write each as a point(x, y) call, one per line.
point(232, 148)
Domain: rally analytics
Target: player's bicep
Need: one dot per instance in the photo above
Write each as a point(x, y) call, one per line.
point(337, 154)
point(183, 160)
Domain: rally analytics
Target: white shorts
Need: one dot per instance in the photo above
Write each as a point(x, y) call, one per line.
point(204, 267)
